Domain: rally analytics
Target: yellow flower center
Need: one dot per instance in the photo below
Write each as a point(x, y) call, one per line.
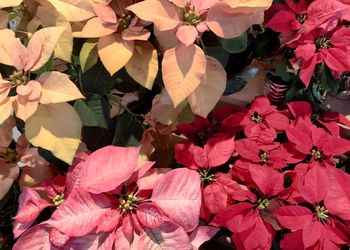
point(58, 200)
point(321, 213)
point(18, 78)
point(11, 156)
point(263, 203)
point(124, 21)
point(191, 18)
point(256, 117)
point(128, 204)
point(206, 177)
point(302, 17)
point(316, 154)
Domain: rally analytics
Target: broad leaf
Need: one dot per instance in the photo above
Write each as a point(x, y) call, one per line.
point(127, 122)
point(162, 13)
point(9, 3)
point(183, 70)
point(204, 98)
point(47, 38)
point(94, 111)
point(50, 18)
point(55, 127)
point(235, 45)
point(74, 11)
point(178, 194)
point(114, 45)
point(80, 213)
point(143, 65)
point(167, 236)
point(57, 87)
point(88, 55)
point(108, 167)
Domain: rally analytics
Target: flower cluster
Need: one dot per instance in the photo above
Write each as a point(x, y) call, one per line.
point(265, 170)
point(317, 32)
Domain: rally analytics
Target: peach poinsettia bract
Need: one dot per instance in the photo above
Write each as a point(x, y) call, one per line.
point(49, 87)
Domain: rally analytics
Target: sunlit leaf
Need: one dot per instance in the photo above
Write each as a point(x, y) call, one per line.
point(88, 55)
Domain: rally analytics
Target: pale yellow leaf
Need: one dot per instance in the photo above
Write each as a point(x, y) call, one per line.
point(57, 128)
point(208, 93)
point(56, 88)
point(48, 38)
point(95, 27)
point(88, 55)
point(74, 10)
point(50, 18)
point(183, 69)
point(114, 52)
point(143, 65)
point(5, 46)
point(9, 3)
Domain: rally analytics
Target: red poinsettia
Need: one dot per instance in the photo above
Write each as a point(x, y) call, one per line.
point(320, 46)
point(261, 113)
point(315, 142)
point(315, 227)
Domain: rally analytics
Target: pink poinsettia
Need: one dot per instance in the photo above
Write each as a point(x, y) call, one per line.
point(319, 47)
point(262, 114)
point(120, 213)
point(316, 227)
point(50, 87)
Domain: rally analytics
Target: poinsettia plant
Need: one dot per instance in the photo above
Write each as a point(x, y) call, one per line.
point(120, 129)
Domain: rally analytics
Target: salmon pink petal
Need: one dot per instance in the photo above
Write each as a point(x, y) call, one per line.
point(187, 34)
point(95, 28)
point(202, 234)
point(147, 182)
point(293, 217)
point(149, 215)
point(80, 213)
point(108, 167)
point(25, 108)
point(178, 195)
point(167, 236)
point(109, 221)
point(57, 238)
point(34, 238)
point(105, 13)
point(130, 35)
point(5, 87)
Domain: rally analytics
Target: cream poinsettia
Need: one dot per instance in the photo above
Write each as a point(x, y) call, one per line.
point(50, 87)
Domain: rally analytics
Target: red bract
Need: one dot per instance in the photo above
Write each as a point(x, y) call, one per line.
point(316, 228)
point(320, 46)
point(299, 17)
point(329, 120)
point(309, 140)
point(261, 113)
point(253, 224)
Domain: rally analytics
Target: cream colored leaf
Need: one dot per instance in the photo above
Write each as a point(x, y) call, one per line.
point(56, 88)
point(9, 3)
point(88, 55)
point(162, 13)
point(208, 93)
point(5, 46)
point(57, 128)
point(183, 70)
point(114, 52)
point(95, 28)
point(143, 65)
point(249, 3)
point(74, 10)
point(50, 18)
point(48, 38)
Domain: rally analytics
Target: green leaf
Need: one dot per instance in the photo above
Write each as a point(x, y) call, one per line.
point(218, 53)
point(235, 45)
point(281, 70)
point(129, 131)
point(94, 111)
point(97, 80)
point(88, 55)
